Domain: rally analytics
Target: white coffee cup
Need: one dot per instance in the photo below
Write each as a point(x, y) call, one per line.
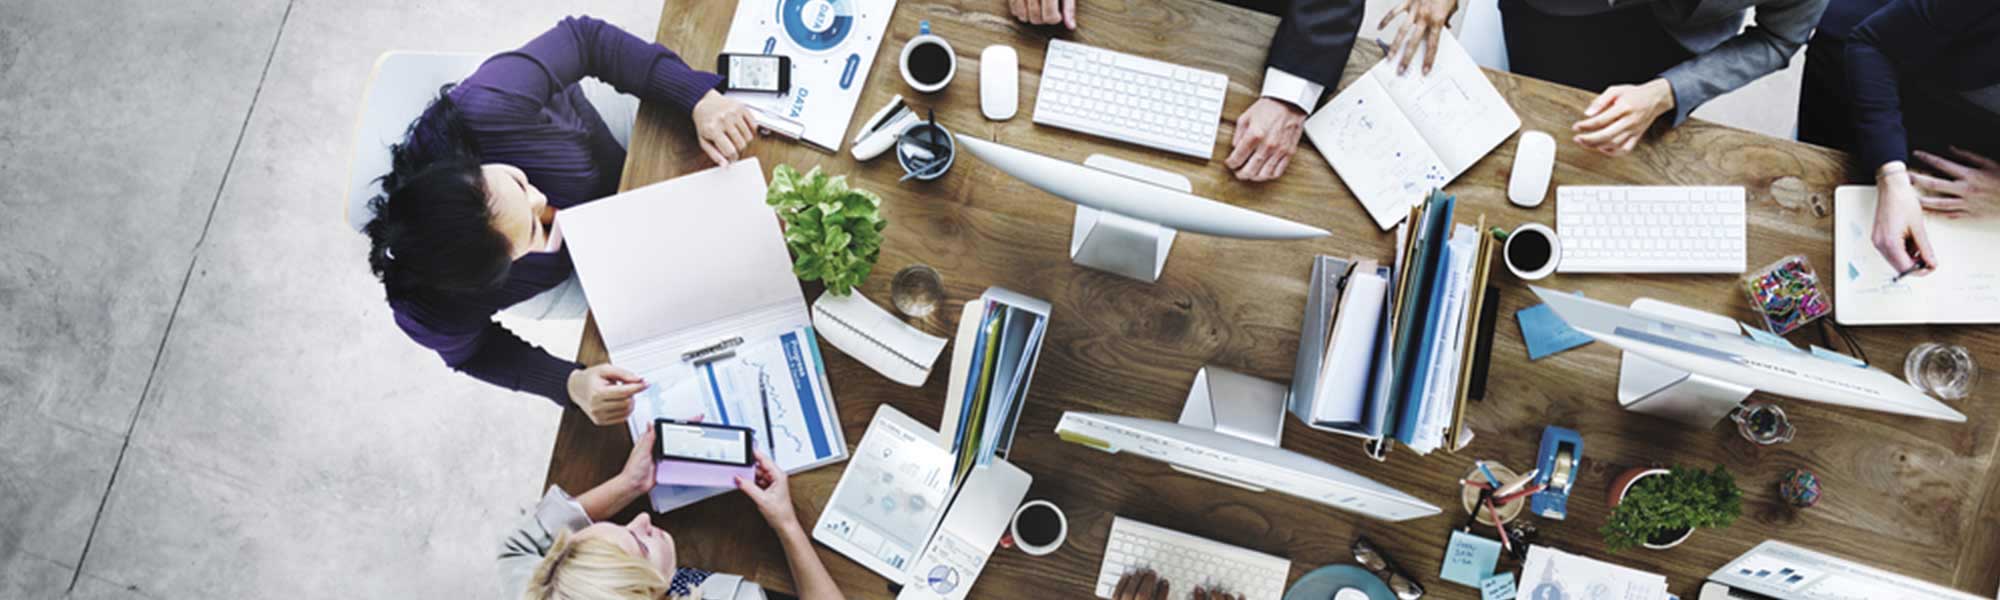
point(1526, 231)
point(926, 38)
point(1062, 529)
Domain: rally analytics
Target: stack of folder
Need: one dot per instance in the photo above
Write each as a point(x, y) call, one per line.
point(1392, 352)
point(999, 341)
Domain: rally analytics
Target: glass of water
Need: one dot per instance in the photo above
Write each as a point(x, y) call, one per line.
point(1942, 370)
point(917, 291)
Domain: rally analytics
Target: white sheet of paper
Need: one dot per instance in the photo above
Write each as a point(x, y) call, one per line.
point(1964, 289)
point(832, 44)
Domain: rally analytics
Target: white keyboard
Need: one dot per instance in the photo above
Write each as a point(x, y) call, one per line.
point(1642, 229)
point(1188, 562)
point(1131, 99)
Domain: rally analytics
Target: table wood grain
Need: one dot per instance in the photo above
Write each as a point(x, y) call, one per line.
point(1914, 496)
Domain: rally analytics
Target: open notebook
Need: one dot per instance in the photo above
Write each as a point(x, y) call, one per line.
point(1393, 138)
point(1964, 289)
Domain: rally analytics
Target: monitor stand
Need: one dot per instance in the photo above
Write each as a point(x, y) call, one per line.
point(1649, 386)
point(1236, 405)
point(1118, 244)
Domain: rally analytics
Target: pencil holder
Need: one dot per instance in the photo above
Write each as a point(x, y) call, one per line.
point(1787, 294)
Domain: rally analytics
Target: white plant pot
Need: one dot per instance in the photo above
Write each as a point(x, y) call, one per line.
point(1628, 487)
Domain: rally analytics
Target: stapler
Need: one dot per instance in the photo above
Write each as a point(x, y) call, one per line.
point(880, 132)
point(1560, 463)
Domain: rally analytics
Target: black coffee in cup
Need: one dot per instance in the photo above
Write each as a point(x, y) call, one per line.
point(929, 62)
point(1530, 250)
point(1039, 525)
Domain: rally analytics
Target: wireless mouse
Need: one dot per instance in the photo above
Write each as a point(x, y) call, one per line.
point(1534, 162)
point(999, 82)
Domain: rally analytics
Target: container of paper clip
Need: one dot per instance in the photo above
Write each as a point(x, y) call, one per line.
point(1787, 294)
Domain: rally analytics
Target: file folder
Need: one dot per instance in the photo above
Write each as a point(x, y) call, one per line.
point(999, 343)
point(1432, 319)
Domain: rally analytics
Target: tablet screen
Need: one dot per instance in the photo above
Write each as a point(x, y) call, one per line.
point(704, 443)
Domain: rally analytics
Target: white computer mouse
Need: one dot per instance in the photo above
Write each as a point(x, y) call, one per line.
point(999, 82)
point(1534, 162)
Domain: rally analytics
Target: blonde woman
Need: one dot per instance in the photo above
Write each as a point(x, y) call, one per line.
point(562, 551)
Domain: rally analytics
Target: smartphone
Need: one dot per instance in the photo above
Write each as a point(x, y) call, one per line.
point(703, 443)
point(768, 73)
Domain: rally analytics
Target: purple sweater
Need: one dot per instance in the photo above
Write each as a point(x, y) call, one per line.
point(523, 109)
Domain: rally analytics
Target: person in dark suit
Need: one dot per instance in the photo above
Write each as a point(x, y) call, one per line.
point(1654, 61)
point(1891, 80)
point(1307, 56)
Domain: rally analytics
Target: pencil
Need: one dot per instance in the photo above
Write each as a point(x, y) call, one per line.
point(1487, 472)
point(1519, 483)
point(1505, 544)
point(1506, 498)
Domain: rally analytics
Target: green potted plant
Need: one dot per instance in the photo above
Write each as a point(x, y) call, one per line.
point(1659, 508)
point(833, 231)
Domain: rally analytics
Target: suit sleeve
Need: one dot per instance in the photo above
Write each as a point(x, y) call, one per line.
point(1909, 34)
point(1761, 49)
point(1314, 38)
point(523, 80)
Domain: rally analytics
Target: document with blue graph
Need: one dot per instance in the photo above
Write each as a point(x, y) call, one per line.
point(692, 288)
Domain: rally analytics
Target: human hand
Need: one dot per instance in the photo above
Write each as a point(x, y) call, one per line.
point(724, 127)
point(1044, 12)
point(604, 392)
point(1614, 122)
point(1266, 136)
point(1899, 222)
point(1146, 585)
point(771, 491)
point(637, 476)
point(1964, 188)
point(1428, 19)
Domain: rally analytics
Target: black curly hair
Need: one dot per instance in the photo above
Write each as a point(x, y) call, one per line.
point(432, 234)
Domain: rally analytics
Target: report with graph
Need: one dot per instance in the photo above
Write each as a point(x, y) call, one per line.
point(705, 308)
point(1393, 138)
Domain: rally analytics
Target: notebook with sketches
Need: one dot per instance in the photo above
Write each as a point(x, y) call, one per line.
point(832, 46)
point(1964, 289)
point(686, 263)
point(855, 325)
point(1393, 138)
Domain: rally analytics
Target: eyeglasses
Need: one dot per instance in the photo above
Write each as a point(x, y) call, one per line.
point(1378, 563)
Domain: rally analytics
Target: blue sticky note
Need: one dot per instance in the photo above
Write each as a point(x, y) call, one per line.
point(1469, 559)
point(1769, 339)
point(1837, 357)
point(1497, 587)
point(1547, 333)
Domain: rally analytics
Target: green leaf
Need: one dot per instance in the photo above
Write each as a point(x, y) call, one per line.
point(835, 231)
point(1684, 498)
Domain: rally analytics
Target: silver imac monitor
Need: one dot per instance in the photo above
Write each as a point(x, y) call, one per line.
point(1243, 463)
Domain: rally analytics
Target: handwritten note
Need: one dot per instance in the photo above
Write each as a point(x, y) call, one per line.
point(1469, 559)
point(1497, 587)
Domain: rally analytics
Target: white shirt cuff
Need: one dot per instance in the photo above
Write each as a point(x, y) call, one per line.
point(1294, 89)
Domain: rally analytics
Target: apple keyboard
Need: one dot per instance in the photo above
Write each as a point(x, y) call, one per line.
point(1188, 562)
point(1131, 99)
point(1651, 229)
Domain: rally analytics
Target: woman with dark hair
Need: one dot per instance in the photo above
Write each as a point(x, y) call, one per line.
point(463, 228)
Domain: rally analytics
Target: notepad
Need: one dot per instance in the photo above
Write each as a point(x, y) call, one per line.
point(1469, 559)
point(1393, 138)
point(1964, 289)
point(1546, 333)
point(855, 325)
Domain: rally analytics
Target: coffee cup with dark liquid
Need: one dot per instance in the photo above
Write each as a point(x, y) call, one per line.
point(928, 61)
point(1532, 251)
point(1039, 528)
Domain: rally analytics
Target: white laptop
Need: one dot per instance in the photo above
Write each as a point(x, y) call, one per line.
point(1781, 571)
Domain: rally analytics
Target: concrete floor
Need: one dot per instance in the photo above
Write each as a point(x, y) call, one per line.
point(201, 393)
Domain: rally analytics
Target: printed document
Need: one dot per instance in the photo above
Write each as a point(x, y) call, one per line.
point(832, 44)
point(1393, 138)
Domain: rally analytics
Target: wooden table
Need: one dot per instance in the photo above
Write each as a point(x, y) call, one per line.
point(1916, 496)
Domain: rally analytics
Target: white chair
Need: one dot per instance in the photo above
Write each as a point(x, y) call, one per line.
point(403, 84)
point(1480, 33)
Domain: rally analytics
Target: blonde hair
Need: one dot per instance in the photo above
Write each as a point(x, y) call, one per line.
point(594, 568)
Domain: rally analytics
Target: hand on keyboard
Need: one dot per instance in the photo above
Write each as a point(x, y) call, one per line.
point(1267, 134)
point(1145, 585)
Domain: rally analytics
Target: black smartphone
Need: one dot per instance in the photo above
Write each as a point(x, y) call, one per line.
point(689, 441)
point(769, 73)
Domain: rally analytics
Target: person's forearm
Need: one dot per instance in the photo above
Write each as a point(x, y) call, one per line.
point(807, 571)
point(608, 498)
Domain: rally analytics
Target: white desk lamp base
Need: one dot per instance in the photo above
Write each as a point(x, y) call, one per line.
point(1236, 405)
point(1119, 244)
point(1651, 387)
